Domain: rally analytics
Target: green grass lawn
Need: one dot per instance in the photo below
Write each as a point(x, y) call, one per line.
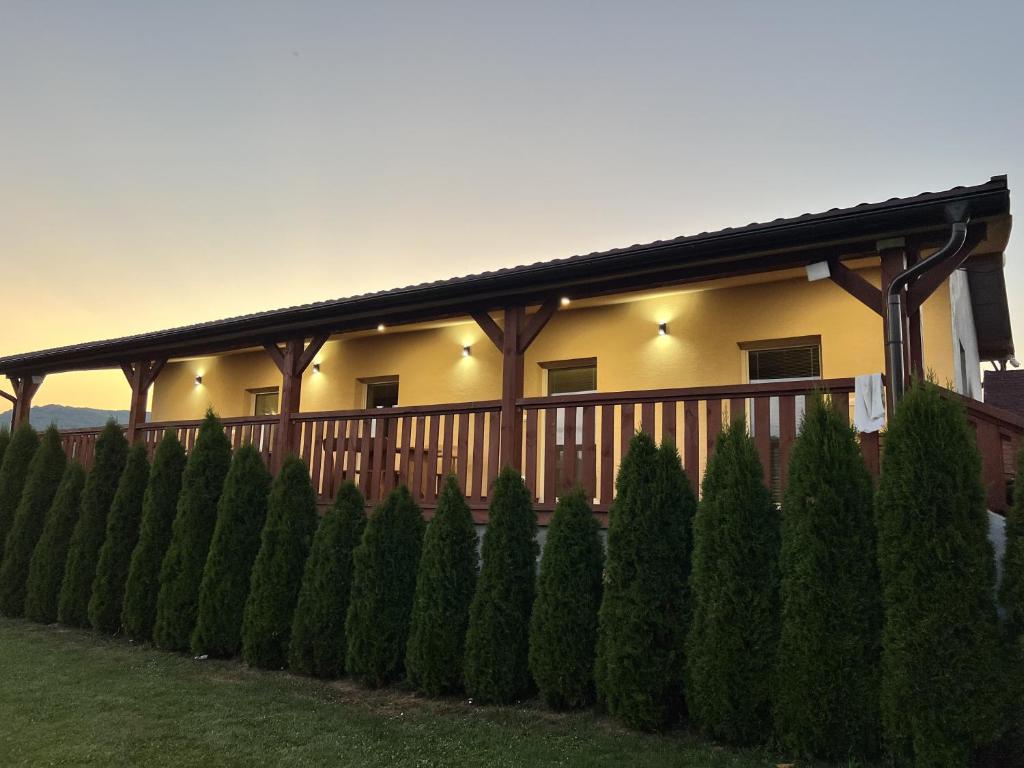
point(75, 698)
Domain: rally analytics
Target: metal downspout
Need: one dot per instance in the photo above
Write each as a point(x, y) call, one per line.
point(894, 302)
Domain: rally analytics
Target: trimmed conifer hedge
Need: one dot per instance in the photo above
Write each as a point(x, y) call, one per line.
point(496, 667)
point(43, 477)
point(46, 569)
point(942, 691)
point(13, 473)
point(734, 631)
point(159, 506)
point(122, 536)
point(645, 608)
point(825, 692)
point(563, 624)
point(241, 513)
point(1011, 591)
point(383, 587)
point(318, 643)
point(5, 440)
point(444, 589)
point(91, 528)
point(277, 573)
point(182, 568)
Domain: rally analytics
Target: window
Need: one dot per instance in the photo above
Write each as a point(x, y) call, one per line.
point(569, 377)
point(265, 402)
point(781, 360)
point(785, 363)
point(382, 393)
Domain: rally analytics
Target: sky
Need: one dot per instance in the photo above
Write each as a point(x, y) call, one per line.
point(168, 163)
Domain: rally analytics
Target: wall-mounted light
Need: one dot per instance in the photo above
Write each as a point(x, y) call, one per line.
point(316, 367)
point(199, 379)
point(380, 328)
point(663, 329)
point(466, 351)
point(565, 301)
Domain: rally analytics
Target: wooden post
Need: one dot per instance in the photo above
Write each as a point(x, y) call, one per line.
point(893, 257)
point(513, 340)
point(25, 388)
point(141, 375)
point(511, 389)
point(915, 334)
point(292, 361)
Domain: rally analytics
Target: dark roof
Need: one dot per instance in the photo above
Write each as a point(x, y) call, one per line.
point(777, 244)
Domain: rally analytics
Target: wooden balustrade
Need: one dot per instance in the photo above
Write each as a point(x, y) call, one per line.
point(566, 440)
point(581, 439)
point(415, 446)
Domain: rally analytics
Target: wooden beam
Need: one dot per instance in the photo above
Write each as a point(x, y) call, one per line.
point(857, 286)
point(275, 354)
point(489, 327)
point(154, 369)
point(129, 371)
point(291, 395)
point(140, 390)
point(8, 396)
point(537, 321)
point(310, 352)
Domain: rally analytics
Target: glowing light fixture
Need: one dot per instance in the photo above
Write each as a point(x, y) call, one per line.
point(199, 379)
point(818, 271)
point(466, 351)
point(380, 327)
point(316, 367)
point(565, 301)
point(663, 329)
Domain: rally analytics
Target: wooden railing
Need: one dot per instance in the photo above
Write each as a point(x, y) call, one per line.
point(566, 440)
point(414, 446)
point(581, 439)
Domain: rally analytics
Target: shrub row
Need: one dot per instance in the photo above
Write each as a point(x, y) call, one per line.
point(850, 622)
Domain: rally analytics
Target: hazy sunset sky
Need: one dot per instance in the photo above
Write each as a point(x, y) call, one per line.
point(166, 163)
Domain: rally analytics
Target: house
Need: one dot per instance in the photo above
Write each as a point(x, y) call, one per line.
point(551, 366)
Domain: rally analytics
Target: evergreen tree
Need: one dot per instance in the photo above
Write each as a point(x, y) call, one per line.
point(122, 536)
point(318, 642)
point(645, 608)
point(941, 657)
point(734, 632)
point(563, 625)
point(5, 440)
point(444, 590)
point(241, 513)
point(182, 567)
point(91, 528)
point(383, 587)
point(43, 477)
point(159, 505)
point(825, 694)
point(13, 473)
point(46, 569)
point(496, 667)
point(1011, 591)
point(277, 573)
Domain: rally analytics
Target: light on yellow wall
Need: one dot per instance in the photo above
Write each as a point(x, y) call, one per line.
point(199, 379)
point(380, 328)
point(316, 367)
point(466, 351)
point(663, 329)
point(565, 301)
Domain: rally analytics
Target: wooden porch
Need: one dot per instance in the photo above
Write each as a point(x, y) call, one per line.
point(561, 441)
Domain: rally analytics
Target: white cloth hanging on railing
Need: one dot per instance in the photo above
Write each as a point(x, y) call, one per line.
point(868, 403)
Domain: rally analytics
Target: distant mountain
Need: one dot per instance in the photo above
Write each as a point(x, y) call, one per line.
point(67, 417)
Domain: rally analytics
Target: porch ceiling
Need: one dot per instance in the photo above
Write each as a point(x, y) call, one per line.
point(784, 243)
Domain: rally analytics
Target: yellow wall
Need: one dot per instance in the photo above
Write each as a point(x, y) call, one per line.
point(701, 349)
